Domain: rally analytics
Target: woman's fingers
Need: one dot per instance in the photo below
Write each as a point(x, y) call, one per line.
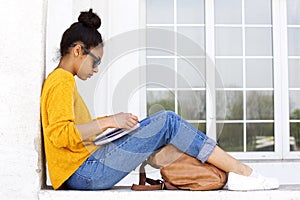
point(125, 120)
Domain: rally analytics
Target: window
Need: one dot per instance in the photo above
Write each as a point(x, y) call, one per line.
point(219, 65)
point(244, 62)
point(176, 66)
point(293, 27)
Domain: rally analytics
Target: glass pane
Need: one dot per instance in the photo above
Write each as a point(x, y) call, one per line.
point(230, 137)
point(293, 10)
point(191, 42)
point(191, 73)
point(294, 73)
point(229, 105)
point(294, 104)
point(229, 73)
point(258, 42)
point(160, 100)
point(258, 11)
point(260, 105)
point(294, 41)
point(228, 12)
point(295, 136)
point(190, 11)
point(191, 105)
point(200, 126)
point(160, 41)
point(229, 41)
point(260, 137)
point(160, 12)
point(160, 73)
point(259, 73)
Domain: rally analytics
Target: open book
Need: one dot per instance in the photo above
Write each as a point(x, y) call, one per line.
point(112, 134)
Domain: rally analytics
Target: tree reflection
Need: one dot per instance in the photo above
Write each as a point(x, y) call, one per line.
point(259, 106)
point(295, 131)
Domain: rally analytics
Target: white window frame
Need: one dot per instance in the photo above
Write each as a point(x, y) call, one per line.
point(280, 77)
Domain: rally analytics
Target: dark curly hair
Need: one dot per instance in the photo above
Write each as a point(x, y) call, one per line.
point(85, 30)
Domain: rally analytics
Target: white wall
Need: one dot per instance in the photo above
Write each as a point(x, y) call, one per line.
point(21, 75)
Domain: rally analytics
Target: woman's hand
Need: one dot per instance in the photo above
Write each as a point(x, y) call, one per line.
point(124, 120)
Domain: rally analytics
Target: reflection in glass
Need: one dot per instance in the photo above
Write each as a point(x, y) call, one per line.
point(191, 73)
point(229, 41)
point(160, 41)
point(190, 11)
point(259, 73)
point(191, 41)
point(294, 104)
point(160, 12)
point(191, 105)
point(255, 14)
point(258, 42)
point(294, 41)
point(260, 105)
point(230, 137)
point(294, 73)
point(229, 73)
point(229, 105)
point(160, 100)
point(295, 137)
point(160, 73)
point(200, 126)
point(260, 137)
point(293, 10)
point(228, 12)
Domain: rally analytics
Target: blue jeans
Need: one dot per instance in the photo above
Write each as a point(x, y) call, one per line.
point(109, 164)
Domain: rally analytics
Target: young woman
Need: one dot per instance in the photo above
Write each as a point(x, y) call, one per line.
point(74, 161)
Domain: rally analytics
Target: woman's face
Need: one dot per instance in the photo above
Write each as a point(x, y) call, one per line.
point(89, 66)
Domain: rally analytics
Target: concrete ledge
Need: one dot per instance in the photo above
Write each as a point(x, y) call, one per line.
point(285, 192)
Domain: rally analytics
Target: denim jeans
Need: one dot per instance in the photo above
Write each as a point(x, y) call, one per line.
point(109, 164)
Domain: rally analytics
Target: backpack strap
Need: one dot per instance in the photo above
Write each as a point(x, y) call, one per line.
point(154, 184)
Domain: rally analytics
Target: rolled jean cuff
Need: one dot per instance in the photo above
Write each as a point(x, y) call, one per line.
point(206, 150)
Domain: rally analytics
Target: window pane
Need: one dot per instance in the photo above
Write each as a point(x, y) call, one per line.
point(259, 73)
point(295, 105)
point(160, 12)
point(294, 41)
point(160, 100)
point(260, 137)
point(200, 126)
point(191, 73)
point(191, 105)
point(230, 137)
point(229, 73)
point(229, 105)
point(294, 73)
point(258, 11)
point(258, 42)
point(191, 42)
point(293, 10)
point(228, 12)
point(295, 137)
point(160, 72)
point(260, 105)
point(160, 41)
point(190, 11)
point(229, 41)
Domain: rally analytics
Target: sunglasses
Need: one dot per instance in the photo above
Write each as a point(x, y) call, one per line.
point(97, 60)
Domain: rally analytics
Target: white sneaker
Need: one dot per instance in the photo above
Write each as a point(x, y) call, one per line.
point(238, 182)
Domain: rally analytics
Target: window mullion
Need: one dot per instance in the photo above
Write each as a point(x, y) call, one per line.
point(281, 115)
point(210, 70)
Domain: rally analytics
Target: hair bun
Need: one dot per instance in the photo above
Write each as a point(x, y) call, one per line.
point(90, 19)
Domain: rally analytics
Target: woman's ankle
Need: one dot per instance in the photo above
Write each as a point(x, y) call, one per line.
point(244, 170)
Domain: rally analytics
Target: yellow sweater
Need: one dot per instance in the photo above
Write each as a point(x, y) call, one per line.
point(61, 108)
